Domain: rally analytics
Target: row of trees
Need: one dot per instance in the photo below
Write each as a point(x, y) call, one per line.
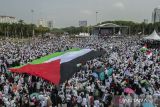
point(21, 29)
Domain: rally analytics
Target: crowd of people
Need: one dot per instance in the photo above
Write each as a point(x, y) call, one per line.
point(123, 77)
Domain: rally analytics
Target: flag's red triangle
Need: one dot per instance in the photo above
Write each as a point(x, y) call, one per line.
point(49, 71)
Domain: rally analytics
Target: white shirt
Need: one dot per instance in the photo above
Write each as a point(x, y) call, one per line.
point(79, 99)
point(107, 83)
point(84, 101)
point(38, 85)
point(92, 87)
point(96, 103)
point(68, 97)
point(2, 79)
point(13, 103)
point(6, 89)
point(44, 102)
point(88, 88)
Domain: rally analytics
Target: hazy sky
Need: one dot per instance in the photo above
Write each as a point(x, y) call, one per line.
point(69, 12)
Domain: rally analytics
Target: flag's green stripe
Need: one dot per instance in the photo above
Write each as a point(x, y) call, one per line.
point(45, 58)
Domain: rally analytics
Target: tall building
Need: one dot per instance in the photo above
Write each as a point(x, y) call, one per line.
point(83, 23)
point(42, 22)
point(7, 19)
point(50, 24)
point(156, 15)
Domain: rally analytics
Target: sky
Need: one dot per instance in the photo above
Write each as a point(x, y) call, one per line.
point(66, 13)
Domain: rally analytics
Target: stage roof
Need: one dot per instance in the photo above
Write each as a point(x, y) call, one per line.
point(108, 25)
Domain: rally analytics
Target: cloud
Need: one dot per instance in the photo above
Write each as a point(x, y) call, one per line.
point(86, 12)
point(119, 5)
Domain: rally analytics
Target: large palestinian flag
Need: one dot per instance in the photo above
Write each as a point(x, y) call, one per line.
point(58, 67)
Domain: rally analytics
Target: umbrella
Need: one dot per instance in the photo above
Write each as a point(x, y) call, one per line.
point(110, 71)
point(128, 90)
point(95, 75)
point(102, 76)
point(146, 104)
point(34, 95)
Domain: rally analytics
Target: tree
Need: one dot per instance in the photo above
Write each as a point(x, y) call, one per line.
point(41, 30)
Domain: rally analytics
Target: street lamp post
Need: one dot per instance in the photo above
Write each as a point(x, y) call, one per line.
point(32, 11)
point(96, 17)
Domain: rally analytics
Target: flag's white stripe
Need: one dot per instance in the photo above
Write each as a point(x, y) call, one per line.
point(70, 55)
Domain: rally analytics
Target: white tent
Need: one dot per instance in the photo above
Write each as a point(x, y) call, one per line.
point(153, 36)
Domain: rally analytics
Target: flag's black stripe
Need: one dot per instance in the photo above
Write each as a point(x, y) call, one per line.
point(69, 68)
